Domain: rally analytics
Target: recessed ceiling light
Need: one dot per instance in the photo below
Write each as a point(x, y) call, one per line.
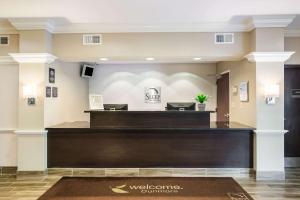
point(104, 59)
point(149, 59)
point(197, 58)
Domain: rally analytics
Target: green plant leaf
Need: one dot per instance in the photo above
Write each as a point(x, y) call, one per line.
point(201, 98)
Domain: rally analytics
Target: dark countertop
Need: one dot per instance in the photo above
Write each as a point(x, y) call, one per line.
point(213, 126)
point(148, 111)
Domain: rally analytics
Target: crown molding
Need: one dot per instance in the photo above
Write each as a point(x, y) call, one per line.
point(292, 33)
point(33, 57)
point(33, 24)
point(269, 56)
point(7, 60)
point(62, 25)
point(117, 28)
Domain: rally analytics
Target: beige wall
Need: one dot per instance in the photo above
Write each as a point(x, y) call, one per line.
point(31, 117)
point(9, 84)
point(9, 92)
point(269, 117)
point(243, 112)
point(268, 39)
point(37, 41)
point(72, 95)
point(8, 148)
point(178, 82)
point(13, 46)
point(135, 45)
point(252, 40)
point(293, 44)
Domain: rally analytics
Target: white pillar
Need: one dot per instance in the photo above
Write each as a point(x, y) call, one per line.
point(31, 135)
point(269, 133)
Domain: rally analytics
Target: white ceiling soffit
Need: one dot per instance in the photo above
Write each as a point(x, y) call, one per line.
point(235, 24)
point(33, 57)
point(143, 60)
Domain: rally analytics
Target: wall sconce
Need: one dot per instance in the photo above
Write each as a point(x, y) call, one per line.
point(30, 93)
point(271, 93)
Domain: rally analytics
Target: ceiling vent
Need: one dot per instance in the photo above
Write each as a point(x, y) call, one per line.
point(224, 38)
point(4, 40)
point(91, 39)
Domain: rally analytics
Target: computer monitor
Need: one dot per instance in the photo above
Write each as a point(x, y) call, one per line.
point(115, 106)
point(181, 106)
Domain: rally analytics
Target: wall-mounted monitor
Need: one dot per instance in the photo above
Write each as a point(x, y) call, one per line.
point(181, 106)
point(115, 106)
point(87, 70)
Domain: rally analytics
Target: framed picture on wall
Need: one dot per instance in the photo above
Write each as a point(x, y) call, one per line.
point(244, 91)
point(54, 92)
point(51, 75)
point(48, 92)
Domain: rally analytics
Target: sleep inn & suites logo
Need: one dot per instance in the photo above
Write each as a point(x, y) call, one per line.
point(152, 94)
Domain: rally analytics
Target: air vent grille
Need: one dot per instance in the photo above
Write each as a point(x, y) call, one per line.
point(92, 39)
point(4, 40)
point(224, 38)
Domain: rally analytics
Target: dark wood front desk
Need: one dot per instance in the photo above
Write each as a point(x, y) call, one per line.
point(134, 142)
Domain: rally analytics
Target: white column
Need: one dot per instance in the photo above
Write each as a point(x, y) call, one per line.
point(269, 133)
point(31, 135)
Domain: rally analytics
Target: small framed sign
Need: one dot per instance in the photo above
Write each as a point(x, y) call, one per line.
point(244, 91)
point(54, 92)
point(48, 92)
point(152, 94)
point(51, 75)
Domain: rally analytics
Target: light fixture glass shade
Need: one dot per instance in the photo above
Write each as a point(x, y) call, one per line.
point(29, 91)
point(272, 90)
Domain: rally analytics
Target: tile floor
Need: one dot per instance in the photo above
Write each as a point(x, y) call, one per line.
point(31, 186)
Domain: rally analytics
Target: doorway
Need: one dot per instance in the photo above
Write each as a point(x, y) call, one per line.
point(292, 115)
point(223, 97)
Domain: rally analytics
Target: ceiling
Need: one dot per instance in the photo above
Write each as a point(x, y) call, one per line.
point(176, 14)
point(100, 16)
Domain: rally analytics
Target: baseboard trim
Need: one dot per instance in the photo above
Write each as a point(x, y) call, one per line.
point(31, 173)
point(8, 170)
point(269, 175)
point(157, 172)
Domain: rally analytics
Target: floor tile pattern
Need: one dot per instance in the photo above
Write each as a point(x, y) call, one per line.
point(29, 186)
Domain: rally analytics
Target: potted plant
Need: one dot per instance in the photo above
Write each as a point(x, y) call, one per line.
point(201, 98)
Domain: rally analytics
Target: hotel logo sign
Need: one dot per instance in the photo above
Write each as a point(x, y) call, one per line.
point(119, 189)
point(152, 94)
point(146, 189)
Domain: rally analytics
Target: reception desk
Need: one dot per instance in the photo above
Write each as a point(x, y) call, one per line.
point(149, 119)
point(144, 139)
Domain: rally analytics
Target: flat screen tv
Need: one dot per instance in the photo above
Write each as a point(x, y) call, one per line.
point(115, 106)
point(181, 106)
point(87, 71)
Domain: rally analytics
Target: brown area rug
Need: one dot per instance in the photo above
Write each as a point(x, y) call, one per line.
point(113, 188)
